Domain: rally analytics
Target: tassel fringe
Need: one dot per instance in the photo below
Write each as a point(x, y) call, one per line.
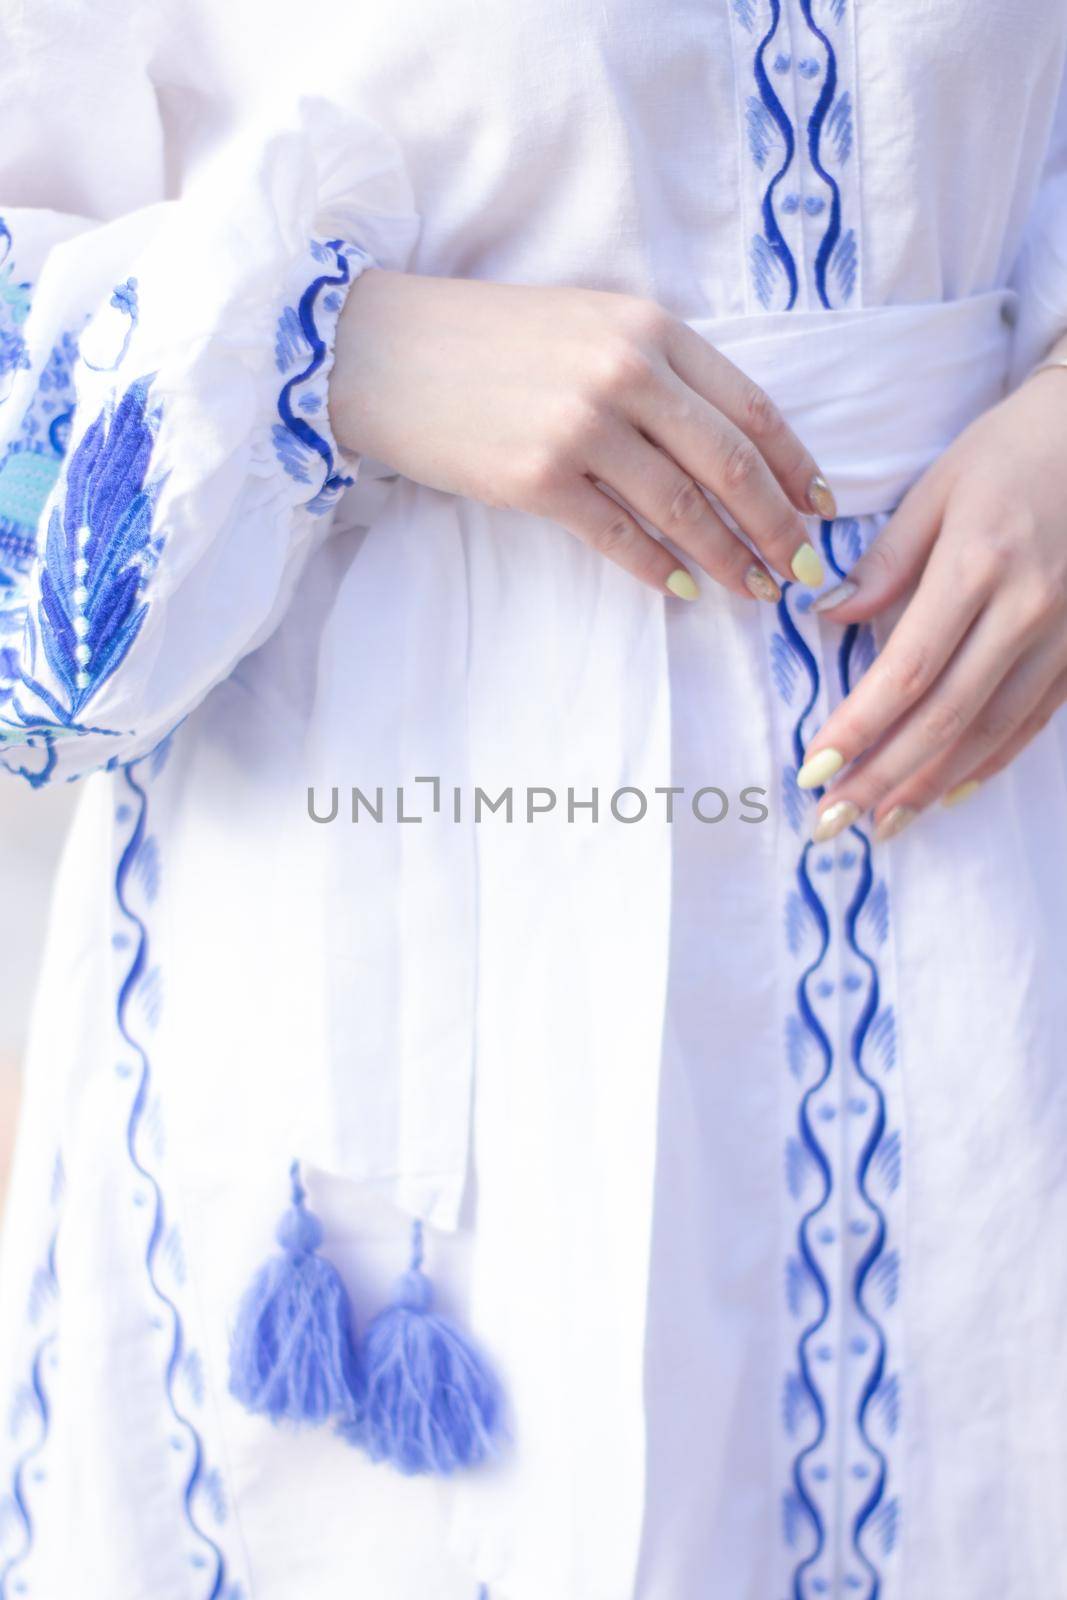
point(432, 1404)
point(293, 1355)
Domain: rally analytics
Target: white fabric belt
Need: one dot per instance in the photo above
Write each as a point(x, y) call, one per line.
point(876, 394)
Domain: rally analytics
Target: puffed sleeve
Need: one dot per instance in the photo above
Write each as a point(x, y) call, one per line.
point(166, 460)
point(1040, 274)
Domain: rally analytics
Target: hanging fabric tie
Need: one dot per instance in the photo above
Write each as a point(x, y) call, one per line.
point(432, 1403)
point(293, 1355)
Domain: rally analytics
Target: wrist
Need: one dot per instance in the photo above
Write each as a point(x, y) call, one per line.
point(349, 386)
point(1054, 360)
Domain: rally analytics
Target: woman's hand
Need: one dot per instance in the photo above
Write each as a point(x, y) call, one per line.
point(581, 406)
point(977, 661)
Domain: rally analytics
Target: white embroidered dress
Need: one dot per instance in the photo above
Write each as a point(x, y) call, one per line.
point(743, 1158)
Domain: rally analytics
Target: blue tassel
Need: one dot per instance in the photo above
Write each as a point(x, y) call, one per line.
point(432, 1404)
point(293, 1353)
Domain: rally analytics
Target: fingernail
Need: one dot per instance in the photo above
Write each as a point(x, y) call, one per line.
point(681, 583)
point(835, 596)
point(894, 822)
point(821, 497)
point(834, 820)
point(760, 583)
point(819, 769)
point(807, 568)
point(962, 791)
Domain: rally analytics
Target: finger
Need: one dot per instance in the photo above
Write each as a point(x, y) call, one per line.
point(929, 631)
point(604, 525)
point(659, 490)
point(713, 376)
point(715, 452)
point(1019, 709)
point(1028, 730)
point(895, 559)
point(894, 780)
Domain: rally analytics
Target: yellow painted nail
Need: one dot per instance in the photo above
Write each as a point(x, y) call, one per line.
point(681, 583)
point(894, 822)
point(819, 769)
point(821, 498)
point(962, 791)
point(834, 820)
point(807, 568)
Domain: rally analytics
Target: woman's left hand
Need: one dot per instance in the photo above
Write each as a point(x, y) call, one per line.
point(977, 660)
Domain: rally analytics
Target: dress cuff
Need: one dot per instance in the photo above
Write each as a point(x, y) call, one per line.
point(303, 354)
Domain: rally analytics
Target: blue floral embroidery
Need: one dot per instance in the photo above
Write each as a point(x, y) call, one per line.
point(124, 300)
point(31, 1406)
point(303, 341)
point(29, 471)
point(99, 552)
point(139, 865)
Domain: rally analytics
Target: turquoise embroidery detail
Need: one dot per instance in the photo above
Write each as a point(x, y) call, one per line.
point(14, 309)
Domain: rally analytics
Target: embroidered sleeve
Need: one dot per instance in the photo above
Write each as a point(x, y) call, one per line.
point(105, 523)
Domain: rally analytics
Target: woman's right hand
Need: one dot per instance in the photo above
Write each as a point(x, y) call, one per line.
point(581, 406)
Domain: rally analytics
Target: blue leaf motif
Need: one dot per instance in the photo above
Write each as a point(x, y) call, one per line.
point(769, 274)
point(886, 1525)
point(889, 1157)
point(763, 132)
point(887, 1399)
point(883, 1037)
point(875, 913)
point(784, 666)
point(845, 264)
point(100, 549)
point(839, 126)
point(799, 923)
point(886, 1274)
point(798, 1043)
point(796, 1402)
point(798, 1167)
point(795, 1517)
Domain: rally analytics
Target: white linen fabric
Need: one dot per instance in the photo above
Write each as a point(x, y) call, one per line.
point(742, 1157)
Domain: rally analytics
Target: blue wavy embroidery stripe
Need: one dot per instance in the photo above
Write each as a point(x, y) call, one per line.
point(848, 638)
point(832, 232)
point(810, 1142)
point(298, 426)
point(772, 232)
point(874, 1259)
point(216, 1575)
point(875, 1249)
point(24, 1462)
